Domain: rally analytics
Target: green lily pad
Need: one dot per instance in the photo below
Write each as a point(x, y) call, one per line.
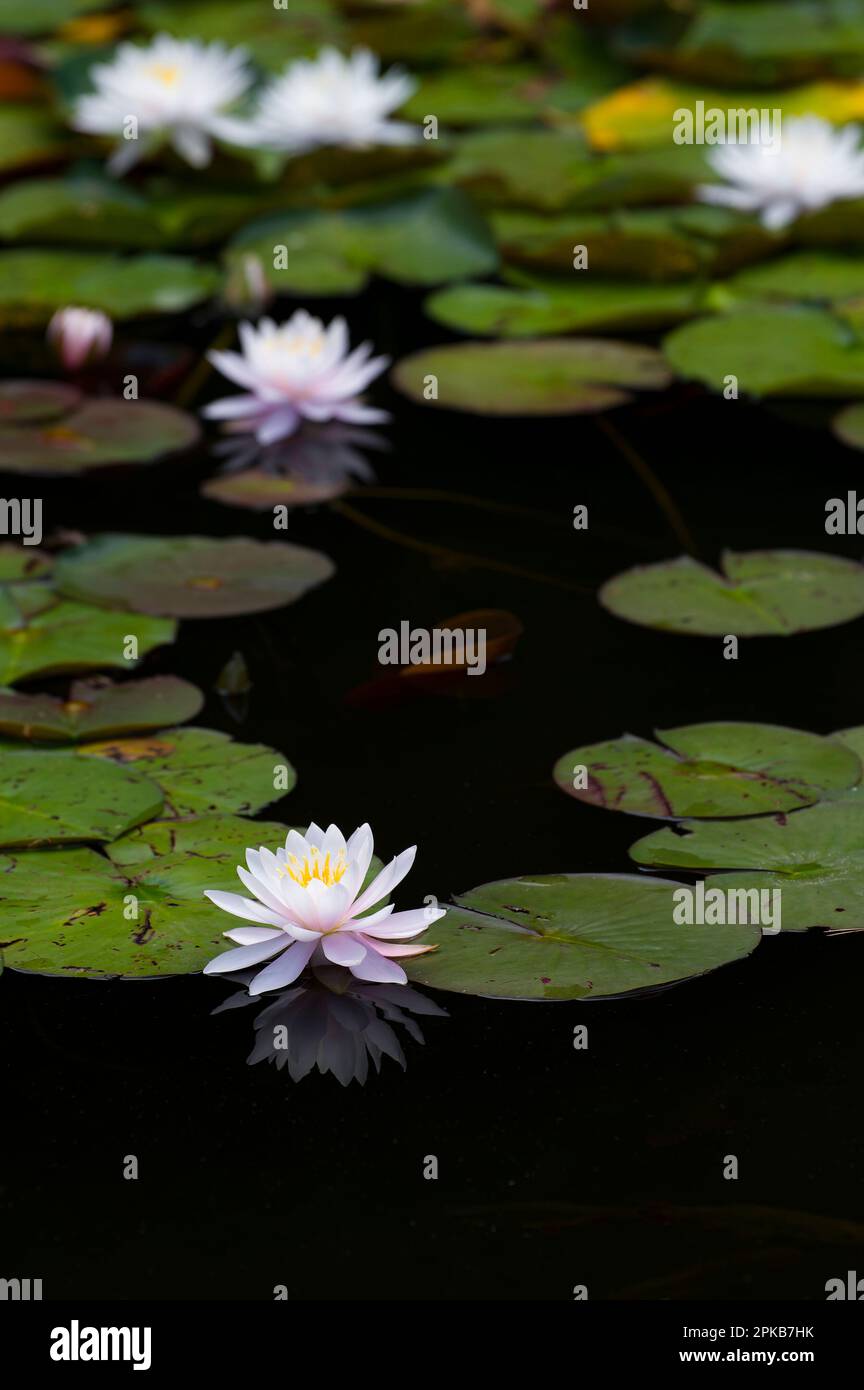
point(33, 402)
point(33, 284)
point(29, 136)
point(481, 94)
point(815, 857)
point(88, 211)
point(51, 636)
point(41, 16)
point(555, 376)
point(201, 771)
point(647, 244)
point(273, 36)
point(95, 434)
point(848, 425)
point(771, 350)
point(190, 576)
point(818, 277)
point(426, 238)
point(760, 593)
point(550, 308)
point(699, 770)
point(64, 911)
point(45, 799)
point(98, 707)
point(571, 936)
point(23, 563)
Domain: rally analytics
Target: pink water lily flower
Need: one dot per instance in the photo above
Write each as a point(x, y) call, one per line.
point(80, 335)
point(309, 909)
point(292, 372)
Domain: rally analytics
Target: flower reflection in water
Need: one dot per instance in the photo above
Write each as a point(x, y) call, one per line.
point(334, 1023)
point(317, 464)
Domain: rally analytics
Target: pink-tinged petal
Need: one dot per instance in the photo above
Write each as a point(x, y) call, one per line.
point(398, 924)
point(311, 410)
point(250, 936)
point(301, 933)
point(354, 414)
point(386, 880)
point(329, 905)
point(232, 408)
point(343, 949)
point(261, 891)
point(244, 956)
point(397, 948)
point(377, 968)
point(361, 923)
point(285, 970)
point(236, 368)
point(243, 907)
point(278, 425)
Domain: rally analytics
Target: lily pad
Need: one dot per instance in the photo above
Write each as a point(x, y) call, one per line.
point(201, 771)
point(273, 37)
point(138, 913)
point(426, 238)
point(716, 770)
point(23, 563)
point(53, 636)
point(848, 425)
point(771, 350)
point(815, 857)
point(95, 434)
point(819, 277)
point(40, 16)
point(33, 284)
point(555, 376)
point(760, 593)
point(98, 707)
point(32, 402)
point(190, 576)
point(550, 308)
point(572, 936)
point(46, 799)
point(29, 136)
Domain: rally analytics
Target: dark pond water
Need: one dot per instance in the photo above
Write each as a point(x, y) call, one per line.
point(556, 1167)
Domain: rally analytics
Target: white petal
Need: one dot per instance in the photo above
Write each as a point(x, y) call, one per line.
point(239, 906)
point(342, 948)
point(244, 956)
point(285, 970)
point(386, 880)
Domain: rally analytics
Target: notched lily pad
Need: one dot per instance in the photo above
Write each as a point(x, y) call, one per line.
point(761, 593)
point(47, 799)
point(555, 376)
point(138, 913)
point(201, 771)
point(95, 433)
point(41, 634)
point(572, 936)
point(190, 576)
point(98, 707)
point(814, 857)
point(709, 770)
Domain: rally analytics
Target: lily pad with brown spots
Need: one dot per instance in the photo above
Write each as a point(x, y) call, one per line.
point(718, 769)
point(98, 707)
point(190, 576)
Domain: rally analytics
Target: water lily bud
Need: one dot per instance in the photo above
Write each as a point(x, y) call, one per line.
point(80, 335)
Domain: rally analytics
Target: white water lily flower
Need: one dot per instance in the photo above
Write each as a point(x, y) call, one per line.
point(294, 371)
point(331, 100)
point(813, 165)
point(80, 335)
point(175, 90)
point(309, 909)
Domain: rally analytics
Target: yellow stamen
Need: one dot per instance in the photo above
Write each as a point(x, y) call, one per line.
point(166, 73)
point(313, 866)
